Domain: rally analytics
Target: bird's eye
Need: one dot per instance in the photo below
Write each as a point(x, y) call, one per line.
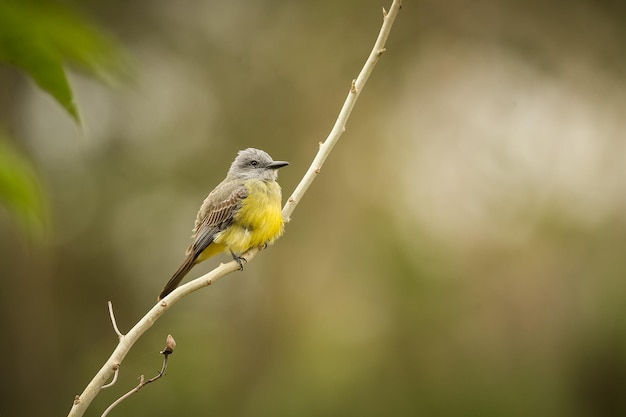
point(254, 163)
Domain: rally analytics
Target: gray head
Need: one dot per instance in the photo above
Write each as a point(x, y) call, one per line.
point(255, 163)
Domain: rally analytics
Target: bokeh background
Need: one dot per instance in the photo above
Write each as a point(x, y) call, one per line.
point(461, 254)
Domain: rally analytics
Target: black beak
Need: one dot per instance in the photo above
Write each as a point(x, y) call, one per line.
point(277, 164)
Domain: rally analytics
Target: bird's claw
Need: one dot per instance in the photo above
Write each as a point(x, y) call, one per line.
point(239, 259)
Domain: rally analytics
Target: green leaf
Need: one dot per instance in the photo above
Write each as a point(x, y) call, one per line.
point(21, 193)
point(40, 37)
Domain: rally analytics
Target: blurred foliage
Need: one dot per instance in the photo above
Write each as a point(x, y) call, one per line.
point(40, 37)
point(20, 191)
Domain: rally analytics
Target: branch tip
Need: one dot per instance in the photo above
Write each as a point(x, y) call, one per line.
point(170, 345)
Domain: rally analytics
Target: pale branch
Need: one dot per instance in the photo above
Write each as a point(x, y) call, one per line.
point(356, 88)
point(123, 397)
point(114, 380)
point(170, 345)
point(113, 322)
point(82, 402)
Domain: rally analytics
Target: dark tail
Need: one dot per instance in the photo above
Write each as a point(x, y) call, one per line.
point(178, 276)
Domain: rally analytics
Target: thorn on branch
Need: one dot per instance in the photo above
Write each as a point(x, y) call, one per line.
point(77, 399)
point(380, 52)
point(317, 170)
point(353, 88)
point(384, 13)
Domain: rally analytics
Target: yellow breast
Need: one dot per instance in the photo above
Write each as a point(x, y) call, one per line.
point(259, 221)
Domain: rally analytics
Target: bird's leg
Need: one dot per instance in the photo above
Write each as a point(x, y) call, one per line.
point(239, 259)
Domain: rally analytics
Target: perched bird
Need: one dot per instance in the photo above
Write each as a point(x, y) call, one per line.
point(242, 212)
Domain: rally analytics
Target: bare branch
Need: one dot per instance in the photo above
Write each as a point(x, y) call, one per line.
point(123, 397)
point(356, 88)
point(82, 402)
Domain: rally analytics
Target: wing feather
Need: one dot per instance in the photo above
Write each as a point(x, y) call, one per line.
point(215, 216)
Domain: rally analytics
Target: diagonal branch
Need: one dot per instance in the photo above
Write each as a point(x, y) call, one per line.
point(340, 125)
point(82, 402)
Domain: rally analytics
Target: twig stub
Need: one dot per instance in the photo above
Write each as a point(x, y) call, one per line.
point(353, 88)
point(119, 334)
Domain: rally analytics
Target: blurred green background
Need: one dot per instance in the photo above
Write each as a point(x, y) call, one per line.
point(461, 254)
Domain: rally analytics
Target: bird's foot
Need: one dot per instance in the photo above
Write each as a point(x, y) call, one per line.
point(239, 259)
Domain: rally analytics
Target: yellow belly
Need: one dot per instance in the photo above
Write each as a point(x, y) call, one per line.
point(259, 221)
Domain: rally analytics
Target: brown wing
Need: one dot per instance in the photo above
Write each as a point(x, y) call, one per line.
point(214, 216)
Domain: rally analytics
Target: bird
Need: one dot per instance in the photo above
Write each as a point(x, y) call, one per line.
point(243, 211)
